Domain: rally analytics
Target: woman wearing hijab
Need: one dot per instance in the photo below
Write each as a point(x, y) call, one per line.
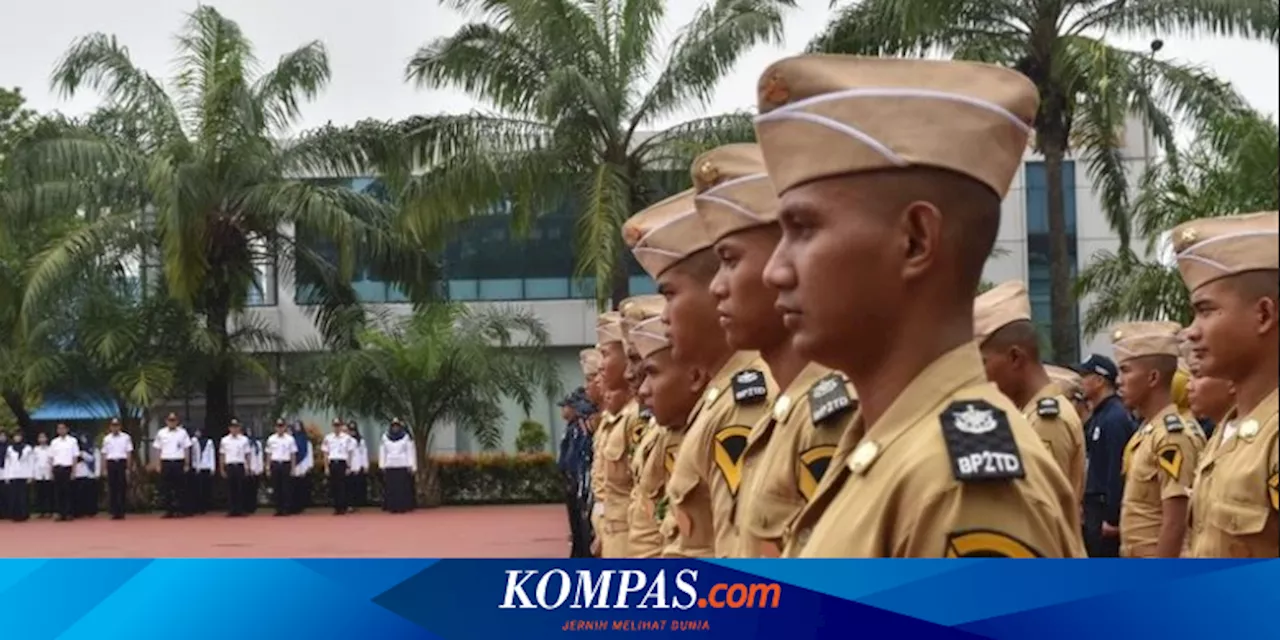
point(85, 479)
point(204, 461)
point(256, 462)
point(358, 478)
point(18, 467)
point(42, 475)
point(302, 470)
point(4, 484)
point(398, 461)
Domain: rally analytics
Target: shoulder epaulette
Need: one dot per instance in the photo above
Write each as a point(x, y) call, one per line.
point(828, 397)
point(1173, 423)
point(1047, 407)
point(980, 442)
point(749, 387)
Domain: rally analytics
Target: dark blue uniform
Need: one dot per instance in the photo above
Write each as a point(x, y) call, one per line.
point(1106, 434)
point(575, 465)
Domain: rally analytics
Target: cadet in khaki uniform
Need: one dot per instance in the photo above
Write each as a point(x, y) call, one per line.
point(615, 434)
point(599, 433)
point(1230, 265)
point(790, 449)
point(1010, 349)
point(1072, 386)
point(670, 392)
point(891, 174)
point(672, 245)
point(1160, 458)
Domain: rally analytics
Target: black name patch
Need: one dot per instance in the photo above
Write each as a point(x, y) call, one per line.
point(1047, 407)
point(749, 387)
point(646, 413)
point(828, 397)
point(980, 442)
point(1173, 424)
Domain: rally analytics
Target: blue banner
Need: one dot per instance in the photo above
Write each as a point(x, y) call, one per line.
point(531, 599)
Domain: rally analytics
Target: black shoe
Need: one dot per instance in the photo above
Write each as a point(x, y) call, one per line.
point(168, 515)
point(118, 517)
point(280, 513)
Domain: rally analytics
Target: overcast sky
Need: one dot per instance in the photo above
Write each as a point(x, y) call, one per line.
point(369, 42)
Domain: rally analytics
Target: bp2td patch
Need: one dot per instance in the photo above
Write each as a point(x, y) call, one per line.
point(1173, 424)
point(731, 443)
point(749, 387)
point(987, 543)
point(980, 442)
point(646, 413)
point(1047, 407)
point(828, 398)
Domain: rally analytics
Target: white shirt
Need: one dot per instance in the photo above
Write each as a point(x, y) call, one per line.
point(338, 446)
point(117, 446)
point(42, 463)
point(360, 456)
point(172, 443)
point(204, 457)
point(397, 454)
point(19, 466)
point(235, 449)
point(65, 451)
point(280, 448)
point(87, 466)
point(255, 458)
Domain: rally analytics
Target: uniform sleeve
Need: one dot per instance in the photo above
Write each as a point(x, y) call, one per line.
point(1176, 457)
point(155, 444)
point(1116, 432)
point(1273, 480)
point(986, 520)
point(382, 454)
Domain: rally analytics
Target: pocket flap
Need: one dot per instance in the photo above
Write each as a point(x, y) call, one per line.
point(1239, 519)
point(681, 486)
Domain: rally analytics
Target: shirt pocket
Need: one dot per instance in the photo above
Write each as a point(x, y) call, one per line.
point(682, 489)
point(1239, 519)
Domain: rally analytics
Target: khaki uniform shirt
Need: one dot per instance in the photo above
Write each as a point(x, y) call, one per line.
point(708, 469)
point(1159, 464)
point(788, 455)
point(598, 437)
point(952, 469)
point(644, 540)
point(1055, 419)
point(626, 428)
point(1234, 506)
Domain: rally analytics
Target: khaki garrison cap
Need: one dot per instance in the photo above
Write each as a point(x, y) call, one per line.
point(590, 361)
point(1213, 248)
point(828, 115)
point(1067, 381)
point(1137, 339)
point(650, 336)
point(666, 233)
point(608, 328)
point(734, 190)
point(637, 308)
point(1005, 304)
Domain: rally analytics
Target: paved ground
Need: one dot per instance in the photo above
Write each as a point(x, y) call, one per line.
point(525, 531)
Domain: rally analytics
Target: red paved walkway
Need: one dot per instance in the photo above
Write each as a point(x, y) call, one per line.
point(525, 531)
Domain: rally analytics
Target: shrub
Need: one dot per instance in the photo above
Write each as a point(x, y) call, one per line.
point(532, 437)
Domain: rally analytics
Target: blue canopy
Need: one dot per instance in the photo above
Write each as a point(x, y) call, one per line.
point(72, 408)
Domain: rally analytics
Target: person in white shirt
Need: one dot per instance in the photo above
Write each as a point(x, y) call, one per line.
point(173, 443)
point(233, 453)
point(64, 452)
point(85, 479)
point(255, 469)
point(358, 484)
point(117, 454)
point(338, 448)
point(18, 467)
point(4, 483)
point(282, 454)
point(42, 475)
point(204, 463)
point(302, 469)
point(398, 460)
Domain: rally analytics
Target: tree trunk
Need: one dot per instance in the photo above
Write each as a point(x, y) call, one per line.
point(621, 286)
point(18, 407)
point(1062, 335)
point(427, 481)
point(217, 401)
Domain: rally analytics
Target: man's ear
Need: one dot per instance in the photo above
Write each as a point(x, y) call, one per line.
point(698, 380)
point(921, 225)
point(1265, 312)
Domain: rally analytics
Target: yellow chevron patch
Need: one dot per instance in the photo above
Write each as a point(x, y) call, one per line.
point(730, 444)
point(987, 543)
point(813, 465)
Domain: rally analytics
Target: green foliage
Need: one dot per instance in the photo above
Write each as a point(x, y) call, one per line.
point(571, 91)
point(1233, 167)
point(1087, 87)
point(446, 362)
point(532, 437)
point(500, 479)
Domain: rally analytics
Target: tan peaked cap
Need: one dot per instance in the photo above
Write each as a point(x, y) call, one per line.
point(666, 233)
point(734, 190)
point(650, 336)
point(608, 328)
point(1068, 381)
point(1004, 304)
point(1137, 339)
point(1213, 248)
point(589, 359)
point(828, 115)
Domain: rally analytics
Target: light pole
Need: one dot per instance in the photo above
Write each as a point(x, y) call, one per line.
point(1156, 45)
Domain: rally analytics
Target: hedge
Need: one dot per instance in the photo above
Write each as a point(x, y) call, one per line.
point(464, 480)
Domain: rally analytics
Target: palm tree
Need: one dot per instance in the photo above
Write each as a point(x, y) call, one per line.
point(1087, 87)
point(572, 110)
point(205, 171)
point(1234, 167)
point(446, 362)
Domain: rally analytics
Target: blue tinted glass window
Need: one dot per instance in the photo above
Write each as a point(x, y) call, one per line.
point(642, 285)
point(1038, 282)
point(546, 288)
point(502, 289)
point(464, 290)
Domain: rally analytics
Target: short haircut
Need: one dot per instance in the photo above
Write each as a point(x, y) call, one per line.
point(700, 265)
point(1164, 366)
point(1252, 285)
point(1021, 333)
